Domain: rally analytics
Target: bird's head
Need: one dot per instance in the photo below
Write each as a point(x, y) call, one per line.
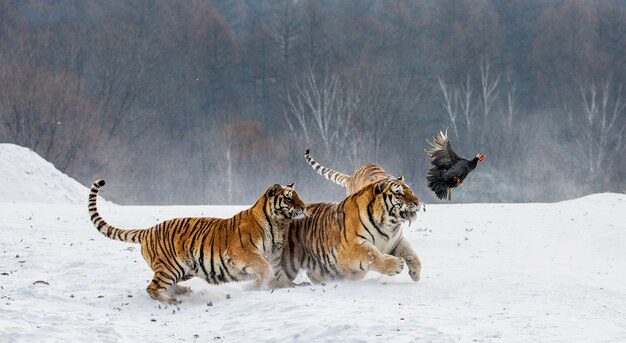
point(480, 157)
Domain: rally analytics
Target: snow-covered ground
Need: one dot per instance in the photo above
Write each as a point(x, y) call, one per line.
point(491, 273)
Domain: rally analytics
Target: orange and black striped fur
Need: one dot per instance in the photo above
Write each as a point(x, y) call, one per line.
point(359, 234)
point(218, 250)
point(364, 175)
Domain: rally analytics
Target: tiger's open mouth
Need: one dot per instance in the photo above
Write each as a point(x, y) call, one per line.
point(409, 215)
point(410, 211)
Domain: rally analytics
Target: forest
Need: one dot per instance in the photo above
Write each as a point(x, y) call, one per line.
point(210, 102)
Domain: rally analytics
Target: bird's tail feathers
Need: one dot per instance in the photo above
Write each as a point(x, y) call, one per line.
point(437, 184)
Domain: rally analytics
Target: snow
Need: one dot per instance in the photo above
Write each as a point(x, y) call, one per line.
point(26, 177)
point(491, 273)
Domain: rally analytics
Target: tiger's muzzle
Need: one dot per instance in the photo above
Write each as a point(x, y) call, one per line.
point(410, 212)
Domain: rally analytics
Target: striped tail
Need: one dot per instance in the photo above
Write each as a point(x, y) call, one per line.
point(332, 175)
point(130, 236)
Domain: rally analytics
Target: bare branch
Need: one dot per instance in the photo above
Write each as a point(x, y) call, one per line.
point(489, 88)
point(468, 112)
point(450, 104)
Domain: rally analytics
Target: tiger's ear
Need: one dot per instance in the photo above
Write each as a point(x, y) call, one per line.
point(380, 187)
point(292, 185)
point(401, 178)
point(274, 190)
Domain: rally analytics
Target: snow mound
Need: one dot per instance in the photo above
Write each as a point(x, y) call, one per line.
point(600, 198)
point(27, 177)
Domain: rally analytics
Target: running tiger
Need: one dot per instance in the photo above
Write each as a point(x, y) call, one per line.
point(217, 250)
point(364, 175)
point(361, 233)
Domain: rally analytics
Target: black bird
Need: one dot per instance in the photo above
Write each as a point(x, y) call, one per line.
point(448, 169)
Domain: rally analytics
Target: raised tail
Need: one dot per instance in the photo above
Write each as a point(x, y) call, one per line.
point(332, 175)
point(130, 236)
point(437, 184)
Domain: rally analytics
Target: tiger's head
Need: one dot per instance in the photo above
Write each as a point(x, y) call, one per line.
point(397, 202)
point(284, 203)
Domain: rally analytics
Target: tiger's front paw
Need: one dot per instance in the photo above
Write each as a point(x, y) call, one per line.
point(415, 268)
point(394, 266)
point(415, 275)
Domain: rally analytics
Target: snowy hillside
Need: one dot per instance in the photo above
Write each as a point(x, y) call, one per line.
point(491, 273)
point(26, 177)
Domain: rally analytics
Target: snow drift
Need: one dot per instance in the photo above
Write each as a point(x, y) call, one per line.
point(26, 177)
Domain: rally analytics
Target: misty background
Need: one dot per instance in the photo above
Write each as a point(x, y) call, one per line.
point(210, 102)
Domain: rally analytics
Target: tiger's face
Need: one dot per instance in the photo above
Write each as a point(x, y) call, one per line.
point(284, 202)
point(398, 202)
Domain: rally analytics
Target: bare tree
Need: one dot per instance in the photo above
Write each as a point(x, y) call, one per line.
point(457, 98)
point(512, 109)
point(287, 29)
point(298, 110)
point(117, 89)
point(325, 107)
point(311, 42)
point(228, 138)
point(39, 111)
point(386, 101)
point(465, 100)
point(489, 88)
point(598, 134)
point(450, 104)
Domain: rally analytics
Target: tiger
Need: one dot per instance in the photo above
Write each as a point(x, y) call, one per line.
point(365, 174)
point(218, 250)
point(346, 240)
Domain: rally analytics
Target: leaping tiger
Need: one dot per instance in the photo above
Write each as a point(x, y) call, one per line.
point(359, 234)
point(239, 248)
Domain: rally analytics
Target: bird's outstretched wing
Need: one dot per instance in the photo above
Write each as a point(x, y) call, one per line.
point(441, 153)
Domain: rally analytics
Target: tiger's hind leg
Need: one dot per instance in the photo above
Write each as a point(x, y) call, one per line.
point(282, 280)
point(159, 284)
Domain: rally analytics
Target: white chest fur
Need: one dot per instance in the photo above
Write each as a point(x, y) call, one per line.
point(386, 245)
